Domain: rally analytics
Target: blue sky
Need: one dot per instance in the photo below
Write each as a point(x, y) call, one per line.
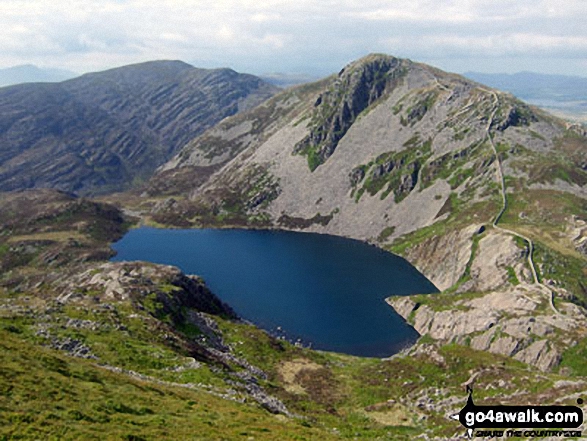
point(302, 36)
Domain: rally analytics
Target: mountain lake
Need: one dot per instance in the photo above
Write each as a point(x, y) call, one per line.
point(323, 291)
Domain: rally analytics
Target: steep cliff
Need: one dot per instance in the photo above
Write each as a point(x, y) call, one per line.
point(516, 322)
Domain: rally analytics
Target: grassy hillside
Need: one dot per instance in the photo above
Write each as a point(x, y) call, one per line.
point(95, 350)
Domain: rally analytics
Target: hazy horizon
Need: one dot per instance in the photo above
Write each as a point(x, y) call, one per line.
point(309, 76)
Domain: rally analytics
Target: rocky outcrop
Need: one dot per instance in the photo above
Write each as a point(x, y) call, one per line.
point(358, 174)
point(577, 231)
point(357, 87)
point(71, 346)
point(445, 325)
point(268, 402)
point(541, 354)
point(443, 258)
point(516, 115)
point(512, 322)
point(179, 308)
point(496, 254)
point(174, 292)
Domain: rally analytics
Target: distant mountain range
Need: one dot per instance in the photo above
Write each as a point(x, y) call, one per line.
point(561, 94)
point(28, 73)
point(287, 80)
point(100, 132)
point(535, 86)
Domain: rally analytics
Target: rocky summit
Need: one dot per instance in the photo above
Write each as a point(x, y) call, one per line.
point(484, 194)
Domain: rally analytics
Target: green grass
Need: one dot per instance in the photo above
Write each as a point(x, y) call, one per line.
point(574, 359)
point(402, 244)
point(445, 301)
point(45, 395)
point(314, 160)
point(256, 345)
point(385, 233)
point(474, 249)
point(569, 272)
point(512, 278)
point(460, 176)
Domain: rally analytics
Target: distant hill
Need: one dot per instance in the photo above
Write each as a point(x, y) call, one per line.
point(100, 132)
point(287, 80)
point(565, 95)
point(28, 73)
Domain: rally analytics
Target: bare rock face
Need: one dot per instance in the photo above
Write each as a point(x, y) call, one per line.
point(443, 258)
point(577, 231)
point(514, 116)
point(517, 301)
point(357, 87)
point(515, 322)
point(496, 252)
point(404, 306)
point(123, 281)
point(540, 354)
point(448, 325)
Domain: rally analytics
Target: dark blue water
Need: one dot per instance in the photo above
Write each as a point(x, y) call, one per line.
point(327, 291)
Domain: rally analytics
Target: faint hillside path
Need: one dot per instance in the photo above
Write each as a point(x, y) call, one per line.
point(501, 179)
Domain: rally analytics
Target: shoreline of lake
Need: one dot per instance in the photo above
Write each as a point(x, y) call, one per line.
point(323, 289)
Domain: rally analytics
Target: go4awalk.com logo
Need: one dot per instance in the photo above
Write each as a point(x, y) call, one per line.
point(516, 421)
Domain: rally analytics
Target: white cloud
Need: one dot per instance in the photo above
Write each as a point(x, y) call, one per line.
point(493, 45)
point(415, 12)
point(265, 17)
point(286, 35)
point(469, 11)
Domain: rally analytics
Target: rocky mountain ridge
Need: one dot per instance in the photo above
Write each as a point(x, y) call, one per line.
point(105, 131)
point(377, 148)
